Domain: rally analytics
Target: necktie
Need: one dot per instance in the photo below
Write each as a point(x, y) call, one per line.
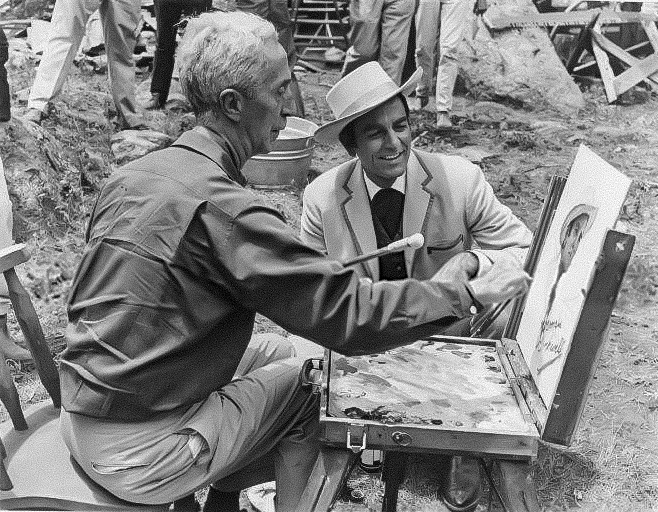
point(387, 207)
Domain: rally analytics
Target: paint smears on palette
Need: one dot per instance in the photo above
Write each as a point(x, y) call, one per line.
point(428, 382)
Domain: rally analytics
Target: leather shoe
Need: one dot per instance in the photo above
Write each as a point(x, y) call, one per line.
point(461, 491)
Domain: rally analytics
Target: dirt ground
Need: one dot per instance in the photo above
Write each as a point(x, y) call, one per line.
point(612, 465)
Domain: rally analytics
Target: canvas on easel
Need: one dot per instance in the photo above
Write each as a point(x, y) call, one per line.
point(589, 206)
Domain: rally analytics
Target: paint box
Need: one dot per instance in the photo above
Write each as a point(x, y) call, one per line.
point(456, 395)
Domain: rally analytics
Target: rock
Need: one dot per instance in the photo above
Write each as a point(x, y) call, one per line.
point(129, 145)
point(520, 65)
point(474, 154)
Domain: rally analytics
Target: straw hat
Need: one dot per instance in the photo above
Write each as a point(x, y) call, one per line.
point(576, 211)
point(358, 92)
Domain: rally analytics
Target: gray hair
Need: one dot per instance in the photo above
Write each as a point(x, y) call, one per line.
point(219, 51)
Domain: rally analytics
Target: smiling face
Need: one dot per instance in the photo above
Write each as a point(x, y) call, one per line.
point(382, 142)
point(262, 120)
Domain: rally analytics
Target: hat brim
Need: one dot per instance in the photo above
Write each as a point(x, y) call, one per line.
point(328, 133)
point(576, 211)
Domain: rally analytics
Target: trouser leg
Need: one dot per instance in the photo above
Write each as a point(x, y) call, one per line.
point(67, 30)
point(427, 31)
point(120, 21)
point(365, 33)
point(6, 238)
point(5, 96)
point(454, 18)
point(397, 17)
point(167, 15)
point(283, 418)
point(260, 424)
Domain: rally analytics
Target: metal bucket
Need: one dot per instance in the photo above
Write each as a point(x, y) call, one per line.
point(290, 159)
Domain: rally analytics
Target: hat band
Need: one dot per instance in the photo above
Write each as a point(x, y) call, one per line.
point(371, 97)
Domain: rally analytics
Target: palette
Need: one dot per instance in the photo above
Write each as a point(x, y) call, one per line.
point(431, 382)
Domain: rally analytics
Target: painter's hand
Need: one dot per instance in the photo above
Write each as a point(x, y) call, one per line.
point(505, 280)
point(460, 268)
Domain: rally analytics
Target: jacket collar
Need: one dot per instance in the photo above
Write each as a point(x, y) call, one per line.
point(355, 198)
point(216, 147)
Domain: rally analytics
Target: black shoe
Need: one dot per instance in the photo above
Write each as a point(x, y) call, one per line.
point(461, 491)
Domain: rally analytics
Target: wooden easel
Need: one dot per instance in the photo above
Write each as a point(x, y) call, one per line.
point(515, 486)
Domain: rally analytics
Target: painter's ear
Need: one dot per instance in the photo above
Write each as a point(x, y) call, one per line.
point(231, 103)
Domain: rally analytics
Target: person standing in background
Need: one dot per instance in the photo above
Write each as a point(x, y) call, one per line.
point(444, 20)
point(167, 15)
point(67, 28)
point(379, 32)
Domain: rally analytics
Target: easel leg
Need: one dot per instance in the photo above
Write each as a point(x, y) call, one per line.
point(517, 489)
point(328, 477)
point(395, 464)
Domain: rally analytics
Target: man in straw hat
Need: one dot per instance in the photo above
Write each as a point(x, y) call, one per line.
point(164, 389)
point(390, 191)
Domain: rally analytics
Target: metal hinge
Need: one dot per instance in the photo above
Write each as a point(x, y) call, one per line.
point(356, 430)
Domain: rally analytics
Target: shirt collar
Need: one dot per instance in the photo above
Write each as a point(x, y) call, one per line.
point(399, 184)
point(230, 162)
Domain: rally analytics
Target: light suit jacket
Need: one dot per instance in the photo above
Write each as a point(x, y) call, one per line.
point(447, 199)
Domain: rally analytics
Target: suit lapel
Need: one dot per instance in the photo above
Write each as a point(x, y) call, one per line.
point(416, 204)
point(356, 212)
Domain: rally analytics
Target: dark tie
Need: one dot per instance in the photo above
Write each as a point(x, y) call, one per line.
point(387, 207)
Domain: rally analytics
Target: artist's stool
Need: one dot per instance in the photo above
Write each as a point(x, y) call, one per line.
point(36, 469)
point(449, 395)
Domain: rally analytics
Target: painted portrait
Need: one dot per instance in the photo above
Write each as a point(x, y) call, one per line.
point(589, 207)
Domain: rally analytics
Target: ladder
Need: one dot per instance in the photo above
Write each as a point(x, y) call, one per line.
point(319, 25)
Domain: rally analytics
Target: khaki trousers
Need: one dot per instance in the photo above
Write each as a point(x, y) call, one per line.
point(379, 32)
point(120, 20)
point(6, 238)
point(444, 20)
point(261, 426)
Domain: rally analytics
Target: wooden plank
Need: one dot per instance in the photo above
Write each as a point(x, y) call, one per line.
point(605, 69)
point(623, 56)
point(5, 481)
point(636, 74)
point(12, 256)
point(395, 464)
point(327, 478)
point(517, 488)
point(588, 340)
point(31, 327)
point(652, 34)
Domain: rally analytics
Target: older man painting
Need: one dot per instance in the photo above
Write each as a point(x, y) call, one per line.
point(164, 388)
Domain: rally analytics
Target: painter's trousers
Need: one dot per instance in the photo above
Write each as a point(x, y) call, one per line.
point(379, 32)
point(446, 21)
point(120, 19)
point(261, 426)
point(6, 238)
